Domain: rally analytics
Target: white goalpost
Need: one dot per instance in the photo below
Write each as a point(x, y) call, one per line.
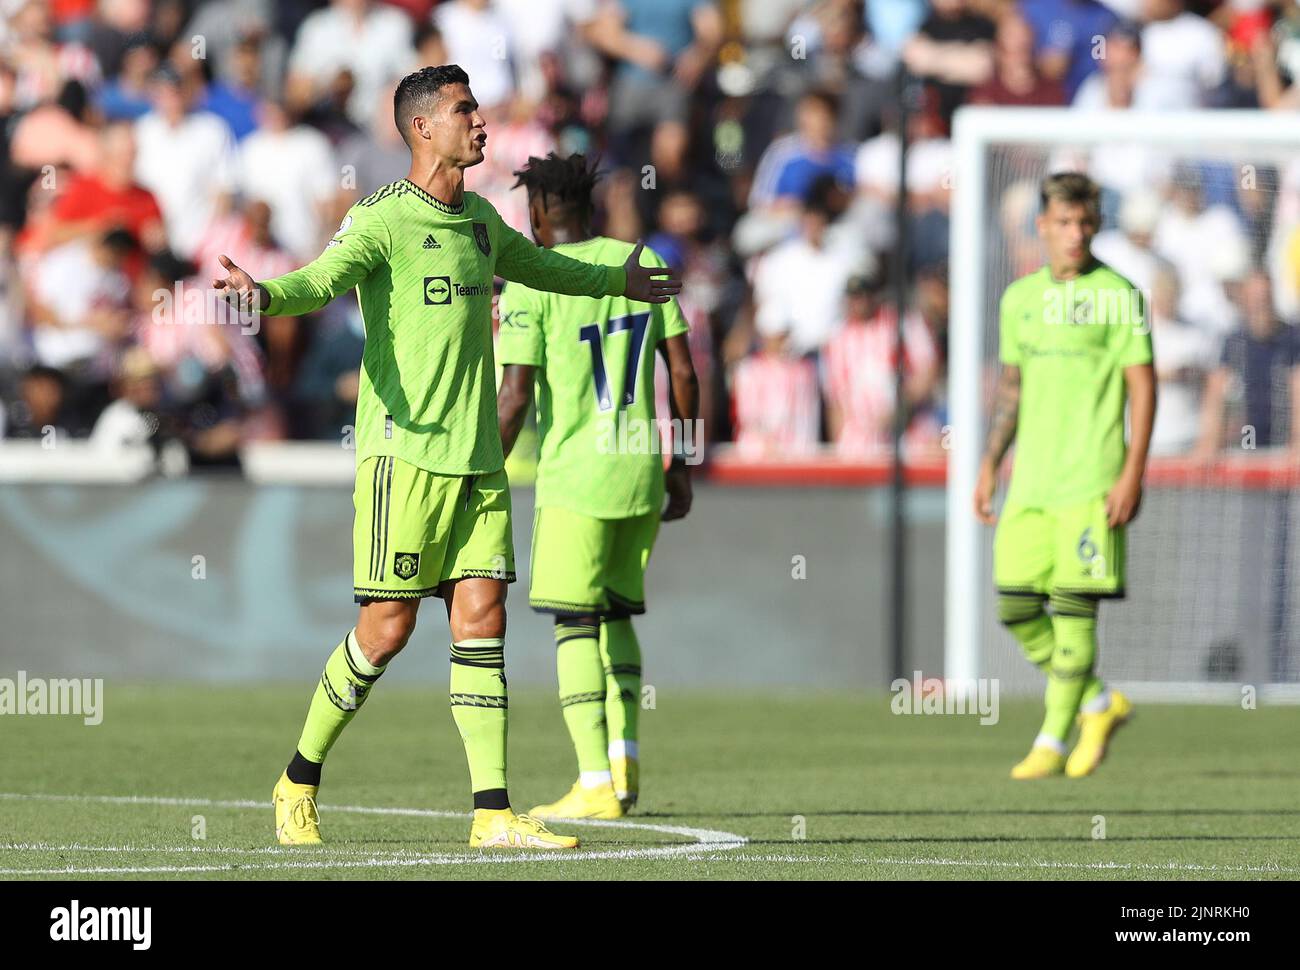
point(1213, 607)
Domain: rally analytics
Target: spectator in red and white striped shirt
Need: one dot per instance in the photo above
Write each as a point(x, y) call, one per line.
point(775, 400)
point(858, 370)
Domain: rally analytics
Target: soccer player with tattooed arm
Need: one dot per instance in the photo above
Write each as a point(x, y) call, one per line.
point(1075, 347)
point(431, 498)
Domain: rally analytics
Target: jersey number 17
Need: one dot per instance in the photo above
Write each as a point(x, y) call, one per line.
point(633, 323)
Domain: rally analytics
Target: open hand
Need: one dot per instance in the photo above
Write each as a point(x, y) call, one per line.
point(238, 287)
point(644, 284)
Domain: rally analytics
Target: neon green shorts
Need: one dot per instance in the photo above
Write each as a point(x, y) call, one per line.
point(585, 566)
point(1067, 550)
point(415, 529)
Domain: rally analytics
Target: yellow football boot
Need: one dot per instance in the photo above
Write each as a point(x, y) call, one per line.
point(626, 779)
point(1041, 762)
point(503, 829)
point(297, 822)
point(600, 802)
point(1095, 732)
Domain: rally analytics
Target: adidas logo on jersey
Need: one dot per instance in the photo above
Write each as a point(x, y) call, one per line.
point(431, 243)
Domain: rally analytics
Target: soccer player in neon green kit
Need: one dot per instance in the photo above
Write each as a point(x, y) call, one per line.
point(431, 498)
point(1075, 343)
point(600, 477)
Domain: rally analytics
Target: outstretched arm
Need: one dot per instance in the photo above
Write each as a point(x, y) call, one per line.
point(1002, 431)
point(356, 249)
point(523, 261)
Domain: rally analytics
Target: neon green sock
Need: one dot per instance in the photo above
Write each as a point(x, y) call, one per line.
point(621, 654)
point(1026, 620)
point(1091, 689)
point(342, 689)
point(582, 692)
point(478, 706)
point(1074, 623)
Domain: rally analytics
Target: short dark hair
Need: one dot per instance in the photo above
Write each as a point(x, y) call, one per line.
point(823, 96)
point(43, 372)
point(118, 240)
point(821, 198)
point(563, 184)
point(415, 92)
point(1072, 188)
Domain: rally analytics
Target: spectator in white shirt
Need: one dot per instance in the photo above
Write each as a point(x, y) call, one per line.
point(799, 284)
point(479, 39)
point(186, 159)
point(1125, 80)
point(79, 300)
point(132, 419)
point(370, 42)
point(549, 28)
point(1184, 355)
point(1206, 245)
point(1127, 250)
point(292, 168)
point(1183, 48)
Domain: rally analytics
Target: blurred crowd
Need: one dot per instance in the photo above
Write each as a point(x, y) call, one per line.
point(753, 143)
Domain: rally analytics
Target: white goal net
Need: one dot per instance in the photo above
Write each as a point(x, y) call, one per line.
point(1201, 210)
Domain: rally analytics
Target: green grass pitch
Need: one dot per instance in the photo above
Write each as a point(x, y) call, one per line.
point(776, 786)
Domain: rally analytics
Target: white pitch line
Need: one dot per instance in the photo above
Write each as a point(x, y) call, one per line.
point(201, 849)
point(707, 840)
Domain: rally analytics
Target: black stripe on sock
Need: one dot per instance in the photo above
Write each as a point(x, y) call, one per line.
point(478, 700)
point(302, 771)
point(347, 655)
point(593, 635)
point(584, 698)
point(333, 696)
point(493, 798)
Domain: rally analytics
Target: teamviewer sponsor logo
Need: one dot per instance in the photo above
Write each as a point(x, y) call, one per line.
point(437, 290)
point(75, 924)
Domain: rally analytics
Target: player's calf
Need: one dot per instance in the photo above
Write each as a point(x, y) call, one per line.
point(1026, 620)
point(1074, 624)
point(349, 675)
point(384, 627)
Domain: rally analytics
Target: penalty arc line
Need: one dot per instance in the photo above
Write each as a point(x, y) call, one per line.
point(706, 840)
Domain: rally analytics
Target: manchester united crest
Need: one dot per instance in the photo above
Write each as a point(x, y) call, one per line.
point(406, 564)
point(481, 237)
